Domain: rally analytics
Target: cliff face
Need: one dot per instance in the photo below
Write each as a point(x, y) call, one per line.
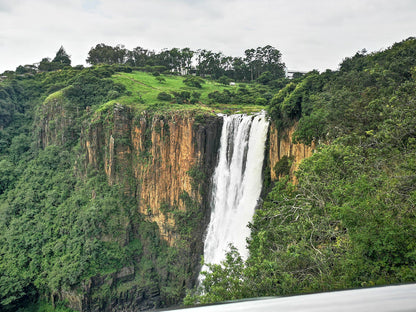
point(57, 122)
point(163, 162)
point(154, 157)
point(280, 145)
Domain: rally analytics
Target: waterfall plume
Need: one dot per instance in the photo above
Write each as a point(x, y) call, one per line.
point(237, 183)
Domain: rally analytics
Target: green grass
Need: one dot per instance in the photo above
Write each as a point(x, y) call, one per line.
point(144, 89)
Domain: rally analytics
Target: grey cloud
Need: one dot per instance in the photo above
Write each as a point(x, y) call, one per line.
point(90, 5)
point(310, 34)
point(5, 6)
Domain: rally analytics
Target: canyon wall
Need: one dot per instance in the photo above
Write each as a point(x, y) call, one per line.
point(163, 162)
point(157, 158)
point(281, 145)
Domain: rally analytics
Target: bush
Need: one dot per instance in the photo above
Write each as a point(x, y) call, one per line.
point(112, 94)
point(195, 97)
point(261, 101)
point(282, 167)
point(224, 80)
point(182, 97)
point(195, 82)
point(220, 97)
point(163, 96)
point(265, 77)
point(160, 79)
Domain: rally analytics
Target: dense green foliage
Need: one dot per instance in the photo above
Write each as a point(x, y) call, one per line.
point(350, 220)
point(51, 227)
point(61, 223)
point(263, 63)
point(43, 306)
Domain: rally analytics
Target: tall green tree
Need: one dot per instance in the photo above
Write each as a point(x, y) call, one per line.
point(62, 57)
point(104, 54)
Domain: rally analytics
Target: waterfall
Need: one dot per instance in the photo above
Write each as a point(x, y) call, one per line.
point(236, 185)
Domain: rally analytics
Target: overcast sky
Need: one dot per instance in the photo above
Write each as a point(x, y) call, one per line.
point(311, 34)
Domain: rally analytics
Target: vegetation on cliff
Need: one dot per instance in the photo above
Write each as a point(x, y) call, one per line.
point(350, 220)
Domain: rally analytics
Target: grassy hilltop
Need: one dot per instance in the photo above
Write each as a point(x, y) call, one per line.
point(144, 88)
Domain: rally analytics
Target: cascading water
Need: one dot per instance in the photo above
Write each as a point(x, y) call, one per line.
point(237, 184)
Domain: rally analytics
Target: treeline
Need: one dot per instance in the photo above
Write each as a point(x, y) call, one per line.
point(264, 61)
point(262, 64)
point(60, 61)
point(350, 221)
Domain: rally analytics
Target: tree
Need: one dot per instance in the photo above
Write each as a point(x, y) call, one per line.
point(209, 63)
point(240, 69)
point(225, 281)
point(45, 64)
point(186, 60)
point(140, 57)
point(249, 60)
point(271, 59)
point(62, 57)
point(104, 54)
point(264, 59)
point(195, 82)
point(61, 60)
point(171, 59)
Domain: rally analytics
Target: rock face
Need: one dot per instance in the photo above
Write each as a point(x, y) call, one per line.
point(153, 157)
point(56, 121)
point(280, 145)
point(163, 161)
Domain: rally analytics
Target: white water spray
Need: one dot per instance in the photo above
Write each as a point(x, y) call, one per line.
point(237, 184)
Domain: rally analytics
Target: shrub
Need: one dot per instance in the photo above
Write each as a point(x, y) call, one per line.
point(182, 97)
point(163, 96)
point(261, 101)
point(220, 97)
point(224, 80)
point(282, 167)
point(112, 94)
point(195, 82)
point(160, 79)
point(195, 97)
